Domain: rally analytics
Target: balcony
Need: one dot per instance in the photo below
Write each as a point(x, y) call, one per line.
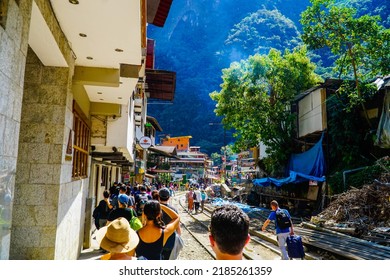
point(138, 105)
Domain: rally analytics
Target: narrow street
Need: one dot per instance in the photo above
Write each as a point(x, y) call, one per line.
point(250, 103)
point(196, 225)
point(193, 249)
point(195, 236)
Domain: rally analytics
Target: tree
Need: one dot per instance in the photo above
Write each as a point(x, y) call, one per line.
point(263, 30)
point(360, 43)
point(255, 99)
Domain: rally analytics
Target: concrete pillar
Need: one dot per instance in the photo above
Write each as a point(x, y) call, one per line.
point(41, 146)
point(13, 52)
point(49, 205)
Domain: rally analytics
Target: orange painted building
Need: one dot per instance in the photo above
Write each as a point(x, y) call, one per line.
point(182, 143)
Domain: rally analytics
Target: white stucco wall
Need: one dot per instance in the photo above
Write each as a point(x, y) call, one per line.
point(311, 113)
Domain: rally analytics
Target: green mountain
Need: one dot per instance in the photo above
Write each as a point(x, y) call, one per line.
point(202, 37)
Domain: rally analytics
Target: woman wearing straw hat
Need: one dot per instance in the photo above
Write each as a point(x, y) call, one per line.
point(118, 239)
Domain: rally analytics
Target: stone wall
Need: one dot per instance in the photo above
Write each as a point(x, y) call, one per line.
point(49, 206)
point(13, 52)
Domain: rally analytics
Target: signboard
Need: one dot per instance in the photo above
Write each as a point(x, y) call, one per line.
point(145, 142)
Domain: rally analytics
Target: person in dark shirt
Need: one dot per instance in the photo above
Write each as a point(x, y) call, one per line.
point(102, 211)
point(114, 192)
point(122, 210)
point(164, 195)
point(130, 201)
point(141, 199)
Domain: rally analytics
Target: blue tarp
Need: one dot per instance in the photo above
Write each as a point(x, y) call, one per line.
point(309, 165)
point(294, 177)
point(311, 162)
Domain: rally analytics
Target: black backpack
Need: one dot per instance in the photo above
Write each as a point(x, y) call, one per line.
point(282, 219)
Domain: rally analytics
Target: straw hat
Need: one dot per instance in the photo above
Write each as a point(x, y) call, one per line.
point(117, 237)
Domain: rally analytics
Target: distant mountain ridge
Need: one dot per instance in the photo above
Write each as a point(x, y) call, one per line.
point(202, 37)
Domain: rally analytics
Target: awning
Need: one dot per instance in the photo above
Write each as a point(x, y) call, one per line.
point(113, 157)
point(294, 177)
point(158, 11)
point(160, 84)
point(167, 151)
point(160, 171)
point(154, 122)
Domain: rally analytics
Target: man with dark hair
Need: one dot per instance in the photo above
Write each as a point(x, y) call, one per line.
point(229, 232)
point(114, 192)
point(164, 195)
point(122, 210)
point(102, 211)
point(123, 190)
point(141, 199)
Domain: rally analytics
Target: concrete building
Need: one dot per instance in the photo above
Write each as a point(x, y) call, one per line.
point(182, 143)
point(71, 74)
point(192, 163)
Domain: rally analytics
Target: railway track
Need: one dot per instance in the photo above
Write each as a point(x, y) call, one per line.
point(197, 225)
point(319, 243)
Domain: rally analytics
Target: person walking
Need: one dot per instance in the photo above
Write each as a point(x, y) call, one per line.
point(283, 226)
point(197, 199)
point(118, 239)
point(164, 196)
point(203, 196)
point(102, 211)
point(123, 190)
point(190, 200)
point(114, 192)
point(154, 234)
point(141, 198)
point(122, 210)
point(229, 232)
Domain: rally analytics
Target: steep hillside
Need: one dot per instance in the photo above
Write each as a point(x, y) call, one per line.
point(202, 37)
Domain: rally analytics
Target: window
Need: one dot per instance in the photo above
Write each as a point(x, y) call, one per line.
point(3, 12)
point(104, 181)
point(81, 140)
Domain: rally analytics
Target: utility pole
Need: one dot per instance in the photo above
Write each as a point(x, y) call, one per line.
point(224, 149)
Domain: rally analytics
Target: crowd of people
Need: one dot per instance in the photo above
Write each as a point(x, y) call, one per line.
point(158, 236)
point(116, 218)
point(196, 198)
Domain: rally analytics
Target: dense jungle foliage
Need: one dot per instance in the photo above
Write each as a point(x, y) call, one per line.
point(202, 41)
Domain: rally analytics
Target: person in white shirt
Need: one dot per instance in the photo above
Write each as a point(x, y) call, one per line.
point(197, 200)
